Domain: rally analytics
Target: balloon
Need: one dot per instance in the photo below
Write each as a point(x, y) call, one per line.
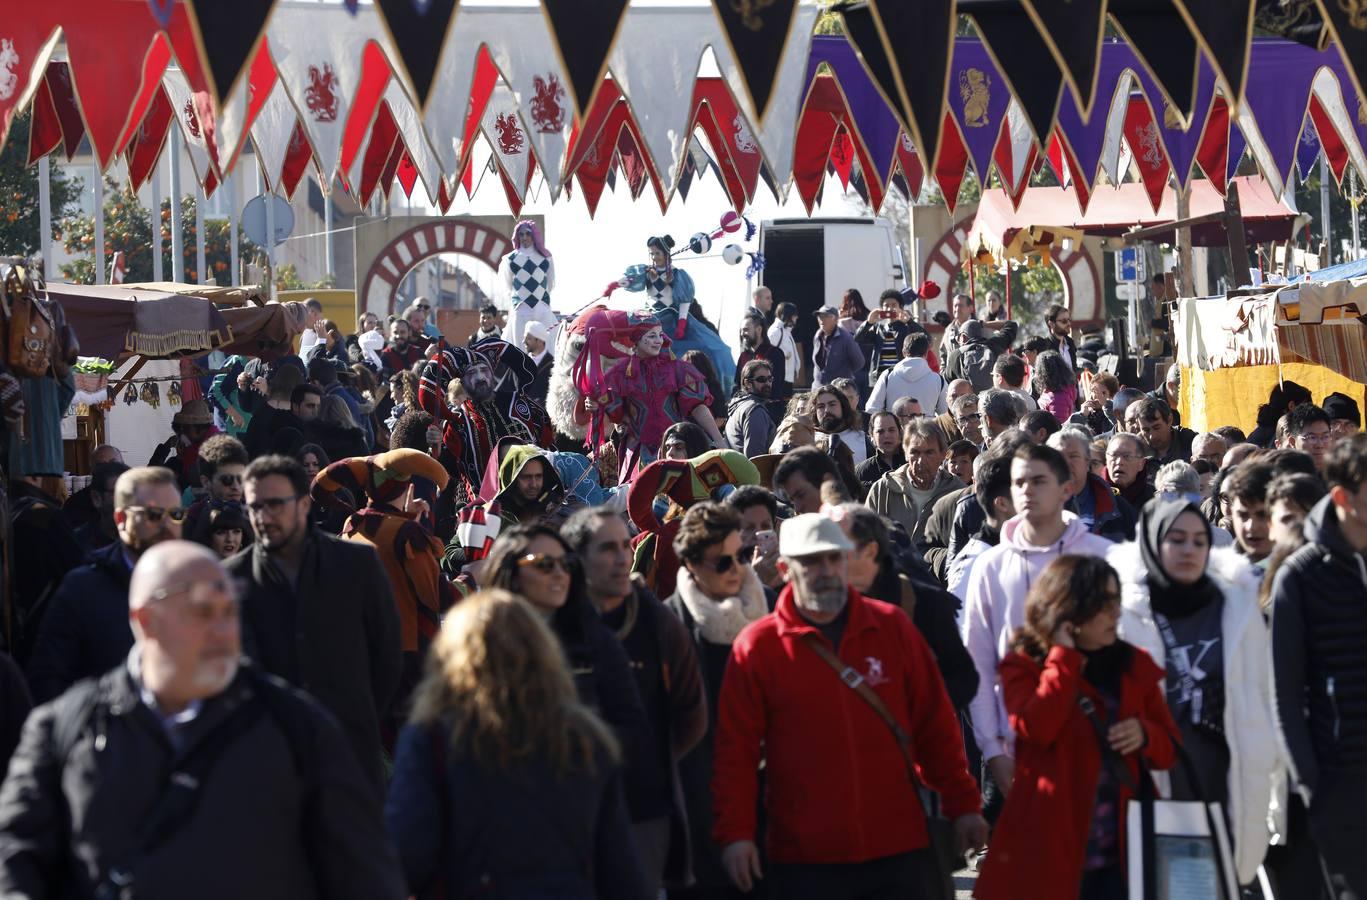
point(731, 221)
point(733, 254)
point(700, 243)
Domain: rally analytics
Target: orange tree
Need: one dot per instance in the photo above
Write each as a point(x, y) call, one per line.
point(19, 217)
point(128, 228)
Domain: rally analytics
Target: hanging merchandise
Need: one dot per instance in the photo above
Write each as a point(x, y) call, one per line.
point(151, 394)
point(130, 396)
point(173, 394)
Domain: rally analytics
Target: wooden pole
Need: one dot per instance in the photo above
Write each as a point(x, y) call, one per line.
point(1234, 234)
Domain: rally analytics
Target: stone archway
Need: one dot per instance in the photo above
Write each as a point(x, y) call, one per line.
point(1077, 269)
point(388, 249)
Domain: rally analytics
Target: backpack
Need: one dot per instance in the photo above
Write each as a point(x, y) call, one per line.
point(975, 364)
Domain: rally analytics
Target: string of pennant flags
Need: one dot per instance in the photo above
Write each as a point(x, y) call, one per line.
point(432, 95)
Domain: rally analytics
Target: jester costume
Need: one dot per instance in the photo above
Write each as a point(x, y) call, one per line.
point(529, 277)
point(408, 550)
point(645, 395)
point(499, 504)
point(670, 294)
point(471, 430)
point(663, 492)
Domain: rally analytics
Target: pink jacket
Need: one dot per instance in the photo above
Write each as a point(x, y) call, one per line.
point(1061, 403)
point(995, 608)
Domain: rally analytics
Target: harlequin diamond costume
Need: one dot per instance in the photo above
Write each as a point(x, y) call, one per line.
point(669, 292)
point(376, 493)
point(481, 414)
point(529, 277)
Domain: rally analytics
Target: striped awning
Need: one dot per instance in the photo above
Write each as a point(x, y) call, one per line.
point(1341, 347)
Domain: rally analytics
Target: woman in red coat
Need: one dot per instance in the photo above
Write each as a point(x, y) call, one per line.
point(1060, 834)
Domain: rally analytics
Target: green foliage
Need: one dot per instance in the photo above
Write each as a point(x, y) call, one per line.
point(287, 279)
point(128, 228)
point(20, 223)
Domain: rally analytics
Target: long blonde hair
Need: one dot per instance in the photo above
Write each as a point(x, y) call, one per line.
point(496, 676)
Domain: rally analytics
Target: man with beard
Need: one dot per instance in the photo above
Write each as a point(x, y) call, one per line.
point(749, 427)
point(457, 389)
point(205, 745)
point(906, 495)
point(85, 632)
point(757, 347)
point(834, 417)
point(668, 680)
point(402, 351)
point(318, 611)
point(831, 825)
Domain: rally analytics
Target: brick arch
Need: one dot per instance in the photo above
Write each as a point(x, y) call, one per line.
point(1082, 285)
point(380, 286)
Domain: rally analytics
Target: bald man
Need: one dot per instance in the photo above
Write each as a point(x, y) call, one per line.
point(258, 806)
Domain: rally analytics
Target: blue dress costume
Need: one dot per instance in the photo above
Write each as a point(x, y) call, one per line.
point(665, 299)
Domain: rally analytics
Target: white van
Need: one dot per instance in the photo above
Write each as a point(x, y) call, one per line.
point(812, 262)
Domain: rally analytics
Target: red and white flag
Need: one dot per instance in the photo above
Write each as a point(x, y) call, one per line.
point(116, 268)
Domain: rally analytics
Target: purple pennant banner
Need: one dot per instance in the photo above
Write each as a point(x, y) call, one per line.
point(978, 99)
point(878, 128)
point(1280, 74)
point(1308, 150)
point(1086, 136)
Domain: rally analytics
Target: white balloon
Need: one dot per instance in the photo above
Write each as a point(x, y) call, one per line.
point(700, 243)
point(733, 254)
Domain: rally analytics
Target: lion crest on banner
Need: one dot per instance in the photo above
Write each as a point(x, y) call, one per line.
point(191, 120)
point(321, 95)
point(975, 93)
point(9, 58)
point(510, 137)
point(1149, 150)
point(745, 139)
point(548, 104)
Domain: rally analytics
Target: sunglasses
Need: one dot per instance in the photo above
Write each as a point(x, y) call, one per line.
point(545, 563)
point(226, 480)
point(423, 306)
point(155, 513)
point(723, 563)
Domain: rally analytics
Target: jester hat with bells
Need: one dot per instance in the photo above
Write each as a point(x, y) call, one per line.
point(609, 335)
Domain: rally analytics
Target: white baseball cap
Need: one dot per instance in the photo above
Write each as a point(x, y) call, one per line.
point(812, 533)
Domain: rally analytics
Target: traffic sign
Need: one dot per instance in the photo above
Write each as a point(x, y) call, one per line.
point(1129, 265)
point(254, 219)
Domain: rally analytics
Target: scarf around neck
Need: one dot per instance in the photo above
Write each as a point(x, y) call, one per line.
point(720, 621)
point(1166, 596)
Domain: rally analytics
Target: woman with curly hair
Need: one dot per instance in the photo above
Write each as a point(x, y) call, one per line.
point(1053, 381)
point(504, 782)
point(1085, 708)
point(853, 312)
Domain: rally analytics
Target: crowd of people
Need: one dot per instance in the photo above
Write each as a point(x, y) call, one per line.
point(373, 623)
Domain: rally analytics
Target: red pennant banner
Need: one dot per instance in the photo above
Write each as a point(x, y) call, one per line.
point(148, 140)
point(1141, 132)
point(375, 74)
point(1331, 143)
point(296, 161)
point(951, 165)
point(45, 128)
point(1213, 154)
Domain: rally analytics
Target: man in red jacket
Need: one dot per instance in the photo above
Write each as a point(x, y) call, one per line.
point(844, 818)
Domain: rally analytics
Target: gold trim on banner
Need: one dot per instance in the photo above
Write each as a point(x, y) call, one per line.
point(365, 201)
point(705, 107)
point(178, 117)
point(1162, 88)
point(1349, 141)
point(1121, 88)
point(760, 112)
point(161, 145)
point(325, 178)
point(1084, 103)
point(968, 153)
point(913, 128)
point(401, 69)
point(1236, 90)
point(37, 69)
point(602, 66)
point(854, 129)
point(196, 31)
point(128, 115)
point(1058, 98)
point(533, 161)
point(1183, 178)
point(1332, 28)
point(29, 158)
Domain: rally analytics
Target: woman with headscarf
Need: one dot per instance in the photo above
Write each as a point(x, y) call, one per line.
point(1194, 609)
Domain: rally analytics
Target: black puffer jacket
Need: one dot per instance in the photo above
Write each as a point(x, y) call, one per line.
point(1319, 627)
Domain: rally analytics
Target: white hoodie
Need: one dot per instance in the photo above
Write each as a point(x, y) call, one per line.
point(911, 377)
point(995, 608)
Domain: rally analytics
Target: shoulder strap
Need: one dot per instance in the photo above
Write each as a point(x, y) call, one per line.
point(855, 682)
point(1109, 757)
point(286, 712)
